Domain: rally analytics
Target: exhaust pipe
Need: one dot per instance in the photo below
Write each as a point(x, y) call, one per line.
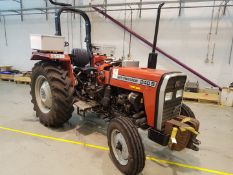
point(152, 60)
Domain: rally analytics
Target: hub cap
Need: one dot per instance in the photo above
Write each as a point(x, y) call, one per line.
point(43, 94)
point(119, 147)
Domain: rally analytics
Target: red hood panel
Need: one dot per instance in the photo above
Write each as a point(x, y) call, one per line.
point(143, 73)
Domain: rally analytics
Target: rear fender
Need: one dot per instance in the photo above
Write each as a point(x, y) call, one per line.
point(98, 60)
point(64, 59)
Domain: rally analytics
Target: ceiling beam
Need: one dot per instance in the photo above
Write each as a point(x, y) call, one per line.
point(138, 4)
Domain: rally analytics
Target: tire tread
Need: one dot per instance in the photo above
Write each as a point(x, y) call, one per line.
point(62, 93)
point(136, 142)
point(187, 111)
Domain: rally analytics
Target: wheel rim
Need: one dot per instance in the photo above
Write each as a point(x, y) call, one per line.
point(43, 94)
point(119, 147)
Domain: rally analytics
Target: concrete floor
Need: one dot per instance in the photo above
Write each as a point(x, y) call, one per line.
point(25, 155)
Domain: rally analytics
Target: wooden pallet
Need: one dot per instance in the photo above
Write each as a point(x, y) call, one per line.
point(22, 79)
point(7, 77)
point(202, 97)
point(15, 78)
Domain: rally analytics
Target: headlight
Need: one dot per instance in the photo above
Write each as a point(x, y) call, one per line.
point(168, 96)
point(179, 93)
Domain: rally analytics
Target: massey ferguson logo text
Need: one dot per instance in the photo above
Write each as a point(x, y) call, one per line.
point(136, 80)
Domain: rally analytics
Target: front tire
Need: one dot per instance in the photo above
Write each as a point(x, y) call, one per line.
point(52, 93)
point(126, 147)
point(186, 111)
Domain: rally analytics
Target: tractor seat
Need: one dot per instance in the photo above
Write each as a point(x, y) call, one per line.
point(80, 57)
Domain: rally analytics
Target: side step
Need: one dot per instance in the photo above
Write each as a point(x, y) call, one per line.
point(84, 106)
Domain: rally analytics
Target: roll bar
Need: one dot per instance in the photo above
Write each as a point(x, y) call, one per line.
point(85, 17)
point(59, 3)
point(68, 8)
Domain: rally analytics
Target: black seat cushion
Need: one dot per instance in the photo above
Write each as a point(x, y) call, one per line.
point(80, 57)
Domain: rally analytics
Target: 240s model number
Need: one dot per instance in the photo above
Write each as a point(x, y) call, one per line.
point(136, 80)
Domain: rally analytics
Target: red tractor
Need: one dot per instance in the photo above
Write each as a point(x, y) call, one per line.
point(128, 96)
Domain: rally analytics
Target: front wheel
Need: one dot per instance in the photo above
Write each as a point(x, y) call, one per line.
point(126, 147)
point(186, 111)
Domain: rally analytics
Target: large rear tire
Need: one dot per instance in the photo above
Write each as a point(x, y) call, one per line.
point(52, 93)
point(126, 147)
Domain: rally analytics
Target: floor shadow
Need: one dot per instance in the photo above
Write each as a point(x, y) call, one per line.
point(74, 121)
point(183, 157)
point(87, 125)
point(31, 120)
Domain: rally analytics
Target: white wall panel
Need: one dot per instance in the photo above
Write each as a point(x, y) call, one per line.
point(184, 37)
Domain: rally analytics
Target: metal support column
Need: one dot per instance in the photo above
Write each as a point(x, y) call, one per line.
point(74, 4)
point(225, 6)
point(231, 51)
point(130, 35)
point(105, 5)
point(140, 9)
point(5, 34)
point(180, 4)
point(46, 10)
point(21, 9)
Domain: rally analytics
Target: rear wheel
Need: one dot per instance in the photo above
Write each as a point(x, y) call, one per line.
point(186, 111)
point(126, 146)
point(52, 93)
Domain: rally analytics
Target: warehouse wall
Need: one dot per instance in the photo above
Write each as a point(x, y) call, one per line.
point(184, 37)
point(18, 51)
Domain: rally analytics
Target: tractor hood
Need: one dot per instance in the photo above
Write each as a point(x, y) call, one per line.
point(137, 75)
point(148, 82)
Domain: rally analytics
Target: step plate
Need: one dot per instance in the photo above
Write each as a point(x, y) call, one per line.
point(84, 105)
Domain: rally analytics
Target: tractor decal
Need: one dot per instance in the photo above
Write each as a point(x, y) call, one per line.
point(135, 80)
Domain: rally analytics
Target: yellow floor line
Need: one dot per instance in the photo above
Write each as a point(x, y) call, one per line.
point(187, 166)
point(106, 149)
point(54, 138)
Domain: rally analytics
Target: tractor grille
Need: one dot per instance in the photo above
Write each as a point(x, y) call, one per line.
point(171, 108)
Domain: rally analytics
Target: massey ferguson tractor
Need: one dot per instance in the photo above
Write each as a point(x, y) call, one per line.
point(128, 96)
